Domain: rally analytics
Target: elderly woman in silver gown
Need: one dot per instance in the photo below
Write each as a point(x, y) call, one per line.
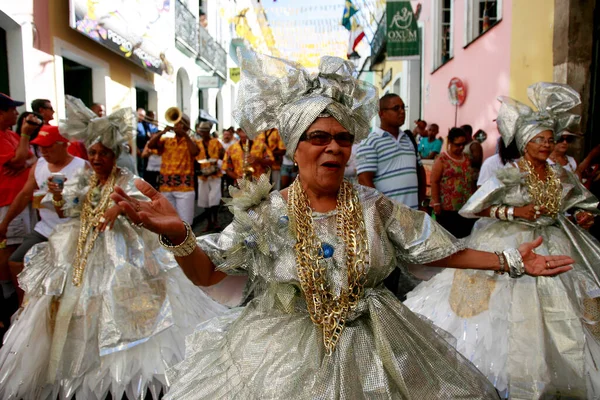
point(321, 325)
point(106, 308)
point(533, 337)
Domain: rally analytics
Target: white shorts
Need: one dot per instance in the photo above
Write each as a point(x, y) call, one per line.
point(18, 227)
point(183, 203)
point(209, 192)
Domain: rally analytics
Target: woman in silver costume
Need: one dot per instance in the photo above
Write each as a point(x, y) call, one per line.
point(106, 308)
point(321, 324)
point(532, 337)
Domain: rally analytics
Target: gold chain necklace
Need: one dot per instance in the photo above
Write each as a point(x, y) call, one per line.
point(544, 193)
point(326, 309)
point(90, 219)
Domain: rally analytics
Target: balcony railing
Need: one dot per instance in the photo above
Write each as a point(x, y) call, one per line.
point(193, 39)
point(211, 53)
point(186, 27)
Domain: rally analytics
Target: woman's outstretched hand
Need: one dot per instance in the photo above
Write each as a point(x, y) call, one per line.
point(156, 215)
point(537, 265)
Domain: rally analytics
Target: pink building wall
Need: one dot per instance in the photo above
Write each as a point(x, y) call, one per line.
point(483, 66)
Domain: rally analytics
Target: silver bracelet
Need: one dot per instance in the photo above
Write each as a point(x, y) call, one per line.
point(515, 263)
point(510, 213)
point(502, 261)
point(493, 211)
point(183, 249)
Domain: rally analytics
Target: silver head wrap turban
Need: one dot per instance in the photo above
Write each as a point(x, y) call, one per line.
point(517, 121)
point(113, 130)
point(276, 93)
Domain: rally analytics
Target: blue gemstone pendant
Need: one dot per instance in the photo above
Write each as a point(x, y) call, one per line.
point(327, 250)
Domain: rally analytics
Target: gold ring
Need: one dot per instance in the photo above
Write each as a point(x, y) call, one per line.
point(137, 206)
point(548, 265)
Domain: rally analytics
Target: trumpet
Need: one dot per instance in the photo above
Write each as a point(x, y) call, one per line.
point(173, 115)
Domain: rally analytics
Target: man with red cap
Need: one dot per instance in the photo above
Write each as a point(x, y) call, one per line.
point(55, 160)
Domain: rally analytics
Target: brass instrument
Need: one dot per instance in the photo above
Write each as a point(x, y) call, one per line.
point(173, 115)
point(247, 169)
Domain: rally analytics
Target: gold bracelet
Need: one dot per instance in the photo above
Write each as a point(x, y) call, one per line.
point(183, 249)
point(58, 203)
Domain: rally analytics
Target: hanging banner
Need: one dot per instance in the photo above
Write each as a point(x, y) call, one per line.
point(140, 33)
point(402, 32)
point(234, 74)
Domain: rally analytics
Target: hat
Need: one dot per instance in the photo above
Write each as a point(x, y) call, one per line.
point(7, 102)
point(276, 93)
point(567, 133)
point(519, 122)
point(204, 126)
point(113, 130)
point(48, 135)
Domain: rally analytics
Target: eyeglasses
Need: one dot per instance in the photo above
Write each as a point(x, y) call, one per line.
point(568, 139)
point(541, 140)
point(461, 144)
point(319, 138)
point(47, 108)
point(395, 108)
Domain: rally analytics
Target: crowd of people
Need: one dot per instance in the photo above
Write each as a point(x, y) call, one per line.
point(107, 291)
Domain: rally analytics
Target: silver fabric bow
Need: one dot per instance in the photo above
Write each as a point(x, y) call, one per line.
point(517, 121)
point(276, 93)
point(113, 130)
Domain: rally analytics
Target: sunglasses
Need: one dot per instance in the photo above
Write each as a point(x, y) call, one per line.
point(319, 138)
point(568, 139)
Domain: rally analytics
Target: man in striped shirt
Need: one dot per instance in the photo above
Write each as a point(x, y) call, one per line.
point(388, 161)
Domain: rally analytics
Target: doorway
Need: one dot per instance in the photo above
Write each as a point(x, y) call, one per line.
point(141, 98)
point(4, 82)
point(78, 81)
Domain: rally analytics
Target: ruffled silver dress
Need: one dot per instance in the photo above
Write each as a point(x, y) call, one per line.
point(271, 349)
point(532, 337)
point(118, 331)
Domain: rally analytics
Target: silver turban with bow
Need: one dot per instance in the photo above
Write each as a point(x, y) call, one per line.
point(517, 121)
point(276, 93)
point(113, 131)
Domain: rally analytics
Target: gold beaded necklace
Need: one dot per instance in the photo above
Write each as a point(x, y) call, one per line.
point(90, 219)
point(325, 308)
point(544, 193)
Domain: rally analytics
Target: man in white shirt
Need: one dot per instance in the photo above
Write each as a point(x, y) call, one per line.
point(55, 159)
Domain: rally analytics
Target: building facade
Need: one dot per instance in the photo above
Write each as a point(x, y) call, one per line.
point(496, 48)
point(119, 54)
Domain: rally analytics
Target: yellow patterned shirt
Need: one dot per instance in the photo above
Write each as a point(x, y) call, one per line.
point(214, 152)
point(234, 158)
point(274, 142)
point(177, 167)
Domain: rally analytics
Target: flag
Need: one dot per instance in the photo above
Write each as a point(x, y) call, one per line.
point(349, 11)
point(356, 35)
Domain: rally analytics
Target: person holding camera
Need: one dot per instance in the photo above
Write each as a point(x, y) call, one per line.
point(47, 175)
point(16, 159)
point(209, 179)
